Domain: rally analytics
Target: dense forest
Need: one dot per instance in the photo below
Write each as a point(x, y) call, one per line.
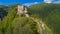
point(49, 14)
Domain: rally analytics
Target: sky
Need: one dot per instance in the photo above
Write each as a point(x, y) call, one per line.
point(7, 2)
point(27, 2)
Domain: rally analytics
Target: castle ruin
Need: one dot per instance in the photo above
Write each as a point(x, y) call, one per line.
point(22, 9)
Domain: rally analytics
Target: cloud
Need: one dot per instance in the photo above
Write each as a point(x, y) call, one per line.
point(48, 1)
point(29, 4)
point(52, 1)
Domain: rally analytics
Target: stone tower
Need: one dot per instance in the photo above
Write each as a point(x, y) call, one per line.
point(22, 9)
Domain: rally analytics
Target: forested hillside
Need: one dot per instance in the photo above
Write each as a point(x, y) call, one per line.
point(49, 13)
point(43, 19)
point(14, 24)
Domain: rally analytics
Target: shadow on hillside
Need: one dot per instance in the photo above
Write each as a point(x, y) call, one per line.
point(2, 13)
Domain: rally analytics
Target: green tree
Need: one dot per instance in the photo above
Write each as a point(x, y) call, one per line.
point(23, 25)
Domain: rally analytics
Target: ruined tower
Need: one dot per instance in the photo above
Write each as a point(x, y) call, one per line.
point(22, 9)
